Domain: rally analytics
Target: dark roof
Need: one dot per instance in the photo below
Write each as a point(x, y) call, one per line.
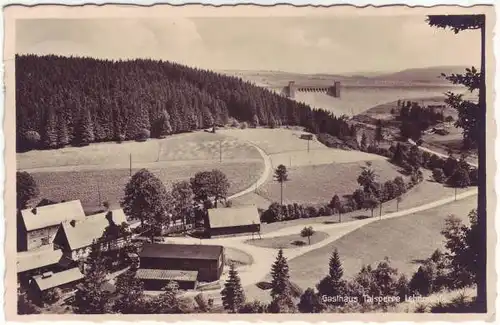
point(172, 275)
point(178, 251)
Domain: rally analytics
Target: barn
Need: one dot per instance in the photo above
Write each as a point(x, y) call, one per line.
point(206, 260)
point(37, 227)
point(75, 238)
point(230, 221)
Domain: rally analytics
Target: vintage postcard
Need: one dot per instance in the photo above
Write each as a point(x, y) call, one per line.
point(248, 163)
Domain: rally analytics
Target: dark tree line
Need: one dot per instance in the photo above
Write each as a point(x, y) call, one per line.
point(416, 119)
point(62, 101)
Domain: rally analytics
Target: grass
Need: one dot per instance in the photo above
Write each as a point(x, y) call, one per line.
point(425, 192)
point(318, 184)
point(195, 146)
point(287, 241)
point(86, 185)
point(405, 240)
point(274, 141)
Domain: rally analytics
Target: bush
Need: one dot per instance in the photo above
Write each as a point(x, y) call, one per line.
point(32, 139)
point(438, 175)
point(52, 295)
point(121, 137)
point(234, 123)
point(243, 125)
point(473, 176)
point(201, 302)
point(255, 307)
point(142, 135)
point(298, 243)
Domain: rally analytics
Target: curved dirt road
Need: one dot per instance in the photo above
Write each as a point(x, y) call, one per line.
point(263, 178)
point(264, 257)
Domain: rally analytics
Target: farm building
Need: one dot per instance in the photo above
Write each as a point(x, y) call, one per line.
point(37, 262)
point(65, 280)
point(229, 221)
point(76, 237)
point(38, 226)
point(156, 279)
point(207, 260)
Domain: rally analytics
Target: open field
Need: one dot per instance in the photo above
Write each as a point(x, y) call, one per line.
point(285, 147)
point(405, 240)
point(286, 242)
point(197, 146)
point(425, 192)
point(109, 184)
point(318, 184)
point(274, 140)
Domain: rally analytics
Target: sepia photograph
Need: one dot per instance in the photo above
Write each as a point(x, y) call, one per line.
point(236, 161)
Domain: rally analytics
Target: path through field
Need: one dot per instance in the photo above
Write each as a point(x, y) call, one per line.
point(264, 257)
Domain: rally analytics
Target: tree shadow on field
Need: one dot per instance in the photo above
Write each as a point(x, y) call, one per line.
point(330, 222)
point(418, 261)
point(362, 217)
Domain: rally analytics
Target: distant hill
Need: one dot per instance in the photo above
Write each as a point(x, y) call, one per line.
point(408, 77)
point(421, 75)
point(61, 101)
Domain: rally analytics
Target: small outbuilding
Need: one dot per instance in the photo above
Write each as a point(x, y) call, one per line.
point(157, 279)
point(230, 221)
point(65, 280)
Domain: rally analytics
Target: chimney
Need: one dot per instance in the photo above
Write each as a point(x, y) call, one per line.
point(47, 275)
point(33, 210)
point(109, 217)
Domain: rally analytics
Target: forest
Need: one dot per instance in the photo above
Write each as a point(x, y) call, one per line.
point(77, 101)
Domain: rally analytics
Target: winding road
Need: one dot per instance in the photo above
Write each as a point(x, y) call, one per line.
point(264, 257)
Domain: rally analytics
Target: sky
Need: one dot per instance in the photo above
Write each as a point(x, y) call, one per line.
point(292, 44)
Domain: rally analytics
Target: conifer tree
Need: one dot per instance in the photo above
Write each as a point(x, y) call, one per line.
point(50, 134)
point(364, 142)
point(85, 130)
point(333, 284)
point(62, 132)
point(280, 286)
point(233, 296)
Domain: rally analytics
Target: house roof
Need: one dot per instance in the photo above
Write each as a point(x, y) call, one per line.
point(52, 215)
point(27, 261)
point(181, 251)
point(172, 275)
point(233, 217)
point(82, 233)
point(56, 279)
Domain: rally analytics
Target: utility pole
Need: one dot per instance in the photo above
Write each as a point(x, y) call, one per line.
point(130, 164)
point(308, 145)
point(456, 193)
point(220, 150)
point(98, 193)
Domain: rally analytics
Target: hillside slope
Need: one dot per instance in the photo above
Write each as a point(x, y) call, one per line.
point(61, 100)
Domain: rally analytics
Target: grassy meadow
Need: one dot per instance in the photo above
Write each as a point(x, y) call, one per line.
point(405, 240)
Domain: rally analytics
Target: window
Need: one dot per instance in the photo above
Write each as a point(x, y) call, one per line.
point(45, 240)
